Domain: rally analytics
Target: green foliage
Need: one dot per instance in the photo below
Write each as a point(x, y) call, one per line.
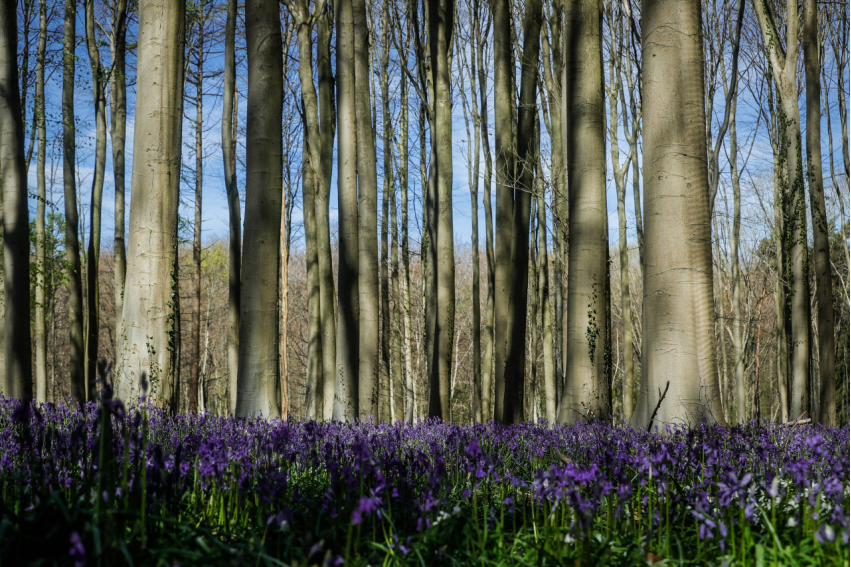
point(54, 270)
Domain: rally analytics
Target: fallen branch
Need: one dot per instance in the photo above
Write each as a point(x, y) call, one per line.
point(661, 397)
point(794, 423)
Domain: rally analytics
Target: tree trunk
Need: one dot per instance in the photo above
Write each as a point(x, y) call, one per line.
point(585, 392)
point(346, 400)
point(40, 243)
point(93, 256)
point(487, 403)
point(389, 272)
point(821, 231)
point(149, 311)
point(406, 255)
point(17, 380)
point(735, 269)
point(195, 336)
point(72, 219)
point(257, 380)
point(679, 337)
point(368, 325)
point(313, 402)
point(441, 25)
point(783, 64)
point(327, 126)
point(117, 134)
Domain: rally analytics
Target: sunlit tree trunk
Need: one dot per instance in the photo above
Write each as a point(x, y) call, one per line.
point(149, 311)
point(346, 402)
point(679, 321)
point(585, 393)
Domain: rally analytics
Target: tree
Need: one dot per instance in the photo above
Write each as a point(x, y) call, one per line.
point(783, 61)
point(678, 325)
point(17, 380)
point(257, 378)
point(118, 134)
point(149, 319)
point(234, 223)
point(346, 396)
point(72, 220)
point(586, 387)
point(41, 124)
point(93, 254)
point(821, 230)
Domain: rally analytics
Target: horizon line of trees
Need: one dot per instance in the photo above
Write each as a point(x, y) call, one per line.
point(727, 290)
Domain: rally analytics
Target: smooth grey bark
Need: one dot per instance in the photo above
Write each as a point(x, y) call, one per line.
point(346, 394)
point(149, 311)
point(678, 314)
point(313, 402)
point(93, 253)
point(229, 117)
point(195, 325)
point(619, 173)
point(586, 392)
point(313, 183)
point(41, 124)
point(368, 299)
point(118, 134)
point(406, 254)
point(735, 267)
point(544, 301)
point(258, 376)
point(783, 63)
point(77, 365)
point(480, 37)
point(504, 149)
point(821, 230)
point(441, 26)
point(17, 380)
point(327, 127)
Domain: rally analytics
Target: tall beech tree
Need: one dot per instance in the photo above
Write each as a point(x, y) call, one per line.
point(99, 78)
point(257, 378)
point(586, 391)
point(678, 323)
point(77, 373)
point(229, 117)
point(17, 380)
point(346, 401)
point(826, 406)
point(149, 333)
point(783, 61)
point(40, 242)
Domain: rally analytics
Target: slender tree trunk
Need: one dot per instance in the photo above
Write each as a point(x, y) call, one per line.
point(544, 301)
point(679, 336)
point(388, 318)
point(258, 376)
point(346, 396)
point(368, 324)
point(821, 231)
point(783, 64)
point(585, 393)
point(229, 117)
point(735, 269)
point(195, 336)
point(93, 256)
point(327, 126)
point(149, 312)
point(40, 329)
point(441, 25)
point(410, 401)
point(117, 134)
point(487, 403)
point(17, 380)
point(534, 302)
point(72, 222)
point(284, 300)
point(313, 403)
point(477, 302)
